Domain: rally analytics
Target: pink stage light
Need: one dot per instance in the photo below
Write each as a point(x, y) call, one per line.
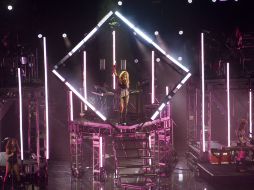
point(101, 155)
point(114, 57)
point(167, 90)
point(84, 77)
point(153, 92)
point(250, 110)
point(228, 105)
point(71, 105)
point(20, 115)
point(46, 96)
point(203, 91)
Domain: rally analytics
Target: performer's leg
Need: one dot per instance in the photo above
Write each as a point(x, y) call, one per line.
point(16, 171)
point(121, 109)
point(7, 171)
point(126, 102)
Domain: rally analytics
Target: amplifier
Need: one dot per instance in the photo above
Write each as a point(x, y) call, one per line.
point(220, 156)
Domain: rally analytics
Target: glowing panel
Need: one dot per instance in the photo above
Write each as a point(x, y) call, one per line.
point(114, 57)
point(20, 116)
point(71, 105)
point(101, 155)
point(46, 96)
point(203, 91)
point(153, 93)
point(150, 147)
point(250, 110)
point(84, 77)
point(228, 104)
point(167, 90)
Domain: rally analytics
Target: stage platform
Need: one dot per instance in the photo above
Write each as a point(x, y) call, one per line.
point(227, 175)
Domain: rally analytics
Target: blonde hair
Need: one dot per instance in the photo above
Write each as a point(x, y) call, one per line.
point(127, 77)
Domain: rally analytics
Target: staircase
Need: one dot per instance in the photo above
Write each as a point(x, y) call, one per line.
point(133, 161)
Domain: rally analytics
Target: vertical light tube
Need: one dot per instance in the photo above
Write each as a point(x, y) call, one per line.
point(71, 105)
point(153, 91)
point(46, 96)
point(167, 90)
point(228, 104)
point(20, 116)
point(150, 147)
point(114, 57)
point(250, 110)
point(84, 77)
point(203, 91)
point(101, 156)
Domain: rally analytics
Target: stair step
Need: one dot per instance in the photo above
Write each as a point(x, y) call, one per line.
point(130, 139)
point(134, 157)
point(138, 185)
point(134, 166)
point(126, 149)
point(137, 175)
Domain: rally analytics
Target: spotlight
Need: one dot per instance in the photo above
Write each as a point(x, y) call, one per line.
point(9, 7)
point(39, 35)
point(120, 3)
point(189, 1)
point(158, 59)
point(64, 35)
point(180, 58)
point(135, 33)
point(156, 33)
point(135, 60)
point(180, 32)
point(214, 1)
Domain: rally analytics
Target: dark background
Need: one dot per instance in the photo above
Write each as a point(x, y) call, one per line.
point(78, 17)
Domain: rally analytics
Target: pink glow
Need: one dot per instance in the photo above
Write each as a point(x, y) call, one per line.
point(46, 96)
point(228, 104)
point(101, 155)
point(20, 116)
point(203, 91)
point(250, 112)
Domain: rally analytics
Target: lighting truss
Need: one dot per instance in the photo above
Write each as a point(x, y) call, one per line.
point(136, 31)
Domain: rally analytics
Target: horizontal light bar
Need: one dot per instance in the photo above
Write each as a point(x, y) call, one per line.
point(105, 18)
point(58, 75)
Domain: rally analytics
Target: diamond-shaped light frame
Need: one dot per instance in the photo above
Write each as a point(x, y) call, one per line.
point(142, 35)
